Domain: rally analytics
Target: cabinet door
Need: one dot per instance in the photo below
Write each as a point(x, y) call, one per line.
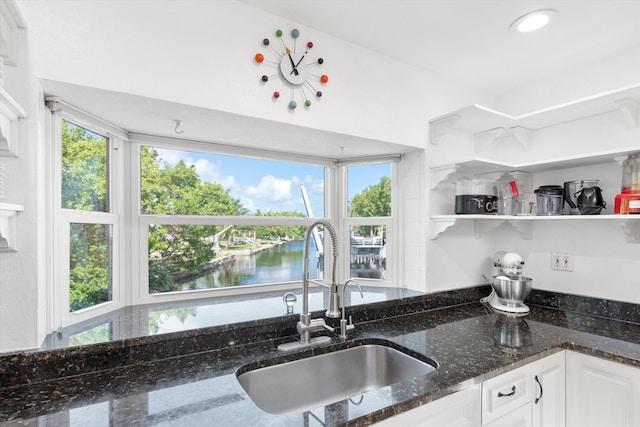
point(601, 392)
point(548, 376)
point(505, 393)
point(461, 409)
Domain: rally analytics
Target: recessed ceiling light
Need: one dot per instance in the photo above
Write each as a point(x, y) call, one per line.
point(533, 21)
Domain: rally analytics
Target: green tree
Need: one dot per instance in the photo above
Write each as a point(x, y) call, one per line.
point(272, 232)
point(374, 200)
point(84, 187)
point(178, 190)
point(84, 169)
point(89, 278)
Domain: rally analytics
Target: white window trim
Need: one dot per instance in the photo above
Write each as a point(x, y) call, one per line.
point(59, 220)
point(140, 222)
point(391, 223)
point(130, 251)
point(335, 212)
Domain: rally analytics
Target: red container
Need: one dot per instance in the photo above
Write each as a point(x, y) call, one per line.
point(628, 201)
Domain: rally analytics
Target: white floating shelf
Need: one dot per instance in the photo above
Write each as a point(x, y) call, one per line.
point(477, 118)
point(8, 236)
point(482, 166)
point(522, 223)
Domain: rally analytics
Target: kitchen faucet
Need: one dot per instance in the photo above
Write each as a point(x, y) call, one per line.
point(306, 325)
point(343, 320)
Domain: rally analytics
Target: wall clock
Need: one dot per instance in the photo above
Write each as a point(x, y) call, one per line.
point(295, 69)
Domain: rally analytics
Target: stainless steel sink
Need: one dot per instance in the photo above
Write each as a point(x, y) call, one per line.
point(304, 384)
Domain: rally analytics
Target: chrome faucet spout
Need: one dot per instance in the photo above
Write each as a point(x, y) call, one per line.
point(333, 306)
point(343, 320)
point(306, 325)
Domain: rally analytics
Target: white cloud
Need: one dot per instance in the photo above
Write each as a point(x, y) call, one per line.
point(247, 203)
point(271, 189)
point(229, 183)
point(312, 185)
point(206, 170)
point(171, 156)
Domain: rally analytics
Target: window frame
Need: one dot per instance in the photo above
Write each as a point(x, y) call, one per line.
point(390, 222)
point(141, 222)
point(129, 226)
point(335, 212)
point(59, 219)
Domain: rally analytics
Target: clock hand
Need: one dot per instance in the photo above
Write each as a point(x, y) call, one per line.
point(305, 53)
point(295, 70)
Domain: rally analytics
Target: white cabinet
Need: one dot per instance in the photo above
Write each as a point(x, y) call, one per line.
point(487, 143)
point(601, 392)
point(565, 389)
point(460, 409)
point(529, 396)
point(549, 391)
point(505, 393)
point(533, 395)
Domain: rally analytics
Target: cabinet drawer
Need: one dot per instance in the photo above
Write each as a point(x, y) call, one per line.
point(505, 393)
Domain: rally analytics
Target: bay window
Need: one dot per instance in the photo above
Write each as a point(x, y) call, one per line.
point(141, 219)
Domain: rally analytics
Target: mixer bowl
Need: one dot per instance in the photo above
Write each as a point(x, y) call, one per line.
point(512, 291)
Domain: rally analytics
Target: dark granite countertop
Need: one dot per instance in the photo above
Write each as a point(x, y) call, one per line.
point(193, 385)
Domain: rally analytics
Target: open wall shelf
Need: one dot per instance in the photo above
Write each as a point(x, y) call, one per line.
point(487, 125)
point(523, 223)
point(480, 120)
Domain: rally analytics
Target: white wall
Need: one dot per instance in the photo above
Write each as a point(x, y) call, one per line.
point(22, 294)
point(620, 69)
point(605, 264)
point(196, 53)
point(201, 53)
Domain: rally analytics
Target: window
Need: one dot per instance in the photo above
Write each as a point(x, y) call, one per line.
point(84, 179)
point(85, 158)
point(216, 221)
point(90, 268)
point(369, 219)
point(202, 219)
point(85, 222)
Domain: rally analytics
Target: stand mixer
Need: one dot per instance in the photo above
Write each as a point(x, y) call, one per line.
point(509, 287)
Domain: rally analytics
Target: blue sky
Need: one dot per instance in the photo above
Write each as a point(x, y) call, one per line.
point(268, 185)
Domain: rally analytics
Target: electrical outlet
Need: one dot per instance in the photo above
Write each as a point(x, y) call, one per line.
point(556, 261)
point(567, 262)
point(561, 261)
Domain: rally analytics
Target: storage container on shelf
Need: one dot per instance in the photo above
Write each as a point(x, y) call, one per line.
point(476, 196)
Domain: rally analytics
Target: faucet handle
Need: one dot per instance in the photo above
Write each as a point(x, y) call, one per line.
point(344, 327)
point(327, 327)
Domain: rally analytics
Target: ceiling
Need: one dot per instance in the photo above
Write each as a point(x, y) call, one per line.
point(469, 40)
